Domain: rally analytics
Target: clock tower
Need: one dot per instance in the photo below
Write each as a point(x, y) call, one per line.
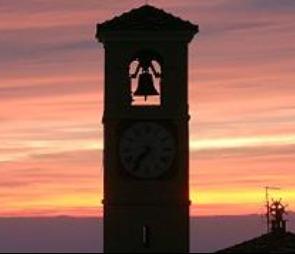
point(146, 135)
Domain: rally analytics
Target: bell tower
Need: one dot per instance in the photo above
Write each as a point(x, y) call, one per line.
point(146, 135)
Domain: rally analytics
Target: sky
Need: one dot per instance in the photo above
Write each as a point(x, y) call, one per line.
point(242, 104)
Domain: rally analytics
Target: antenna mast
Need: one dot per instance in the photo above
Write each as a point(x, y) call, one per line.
point(268, 212)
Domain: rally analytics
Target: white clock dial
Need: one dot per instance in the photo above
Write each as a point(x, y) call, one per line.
point(147, 150)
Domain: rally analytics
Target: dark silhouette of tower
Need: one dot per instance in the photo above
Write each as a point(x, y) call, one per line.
point(146, 134)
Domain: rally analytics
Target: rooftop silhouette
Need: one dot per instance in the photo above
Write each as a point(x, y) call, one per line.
point(277, 241)
point(268, 243)
point(147, 18)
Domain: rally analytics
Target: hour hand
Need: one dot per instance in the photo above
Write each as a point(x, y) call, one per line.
point(141, 157)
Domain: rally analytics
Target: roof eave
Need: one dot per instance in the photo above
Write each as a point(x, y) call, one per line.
point(104, 35)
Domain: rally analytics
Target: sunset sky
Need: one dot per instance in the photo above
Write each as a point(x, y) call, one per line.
point(242, 103)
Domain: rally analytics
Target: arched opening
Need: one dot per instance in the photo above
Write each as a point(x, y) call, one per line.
point(145, 73)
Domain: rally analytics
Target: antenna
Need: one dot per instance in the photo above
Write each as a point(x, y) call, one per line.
point(267, 189)
point(277, 212)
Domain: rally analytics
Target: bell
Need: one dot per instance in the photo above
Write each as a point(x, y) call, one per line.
point(145, 86)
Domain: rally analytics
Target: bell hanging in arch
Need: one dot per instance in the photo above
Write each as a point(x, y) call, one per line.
point(146, 86)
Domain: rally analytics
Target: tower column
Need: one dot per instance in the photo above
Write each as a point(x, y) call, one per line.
point(146, 151)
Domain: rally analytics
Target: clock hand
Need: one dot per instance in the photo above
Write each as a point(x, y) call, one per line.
point(141, 157)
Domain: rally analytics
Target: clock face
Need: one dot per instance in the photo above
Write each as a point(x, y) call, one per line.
point(147, 150)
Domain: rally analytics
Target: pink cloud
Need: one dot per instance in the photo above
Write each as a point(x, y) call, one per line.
point(51, 79)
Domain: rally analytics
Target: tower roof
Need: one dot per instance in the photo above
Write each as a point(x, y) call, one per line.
point(146, 18)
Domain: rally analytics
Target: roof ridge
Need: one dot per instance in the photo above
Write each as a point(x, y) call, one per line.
point(148, 17)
